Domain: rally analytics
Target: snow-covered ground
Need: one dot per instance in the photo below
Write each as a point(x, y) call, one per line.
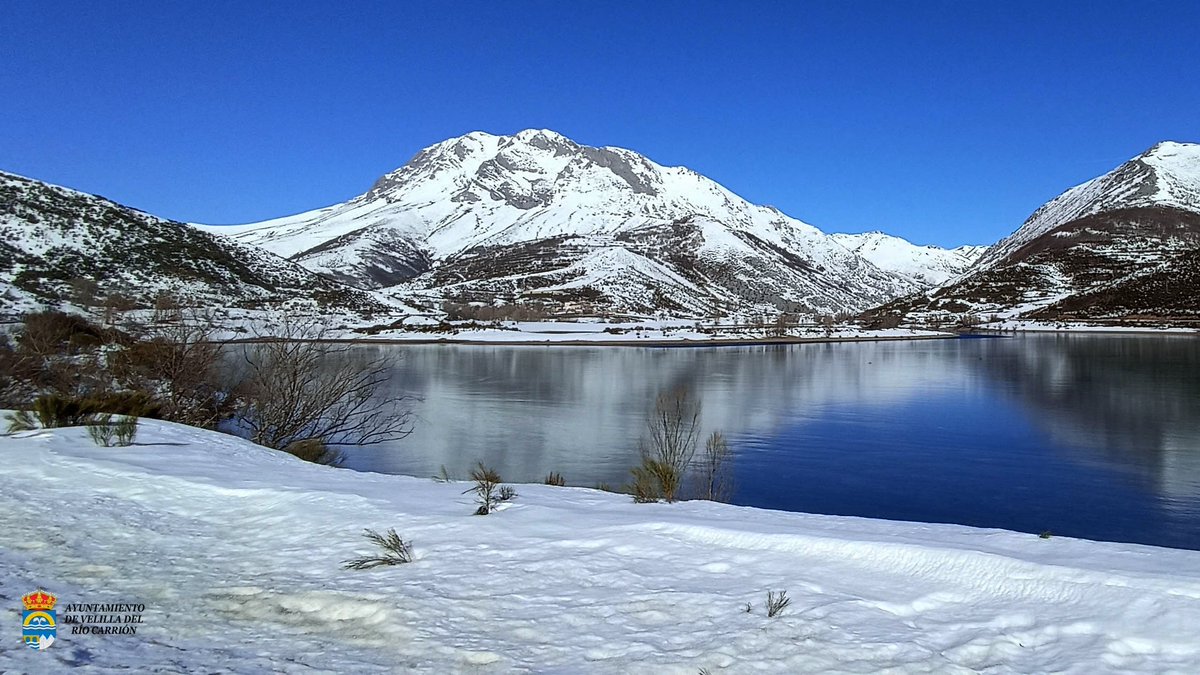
point(1078, 327)
point(236, 553)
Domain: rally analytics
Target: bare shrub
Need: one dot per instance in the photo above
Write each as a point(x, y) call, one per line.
point(301, 387)
point(507, 493)
point(827, 323)
point(9, 381)
point(396, 551)
point(116, 304)
point(52, 332)
point(84, 292)
point(886, 321)
point(58, 353)
point(715, 467)
point(555, 478)
point(673, 430)
point(179, 359)
point(776, 603)
point(487, 483)
point(443, 476)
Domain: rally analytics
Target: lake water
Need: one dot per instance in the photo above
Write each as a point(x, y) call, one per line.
point(1087, 436)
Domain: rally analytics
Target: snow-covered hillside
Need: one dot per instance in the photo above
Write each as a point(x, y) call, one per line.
point(537, 216)
point(1119, 248)
point(58, 245)
point(924, 265)
point(236, 553)
point(1166, 175)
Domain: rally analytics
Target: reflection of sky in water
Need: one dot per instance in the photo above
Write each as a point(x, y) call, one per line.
point(1086, 435)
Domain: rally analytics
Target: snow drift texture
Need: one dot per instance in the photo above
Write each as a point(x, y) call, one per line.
point(236, 552)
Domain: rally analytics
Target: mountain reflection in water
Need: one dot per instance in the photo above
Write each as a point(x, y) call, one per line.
point(1095, 436)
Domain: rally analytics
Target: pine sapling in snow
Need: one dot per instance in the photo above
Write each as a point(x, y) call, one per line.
point(776, 603)
point(487, 488)
point(396, 551)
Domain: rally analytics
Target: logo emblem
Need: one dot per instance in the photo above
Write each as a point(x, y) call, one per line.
point(38, 624)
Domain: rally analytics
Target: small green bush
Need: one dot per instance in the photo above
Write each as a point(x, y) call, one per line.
point(21, 420)
point(126, 430)
point(102, 430)
point(644, 488)
point(129, 403)
point(54, 410)
point(654, 480)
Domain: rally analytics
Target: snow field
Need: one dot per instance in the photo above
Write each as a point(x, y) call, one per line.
point(236, 552)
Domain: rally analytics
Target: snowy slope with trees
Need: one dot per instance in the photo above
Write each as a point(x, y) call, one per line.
point(61, 246)
point(1121, 248)
point(1165, 176)
point(237, 553)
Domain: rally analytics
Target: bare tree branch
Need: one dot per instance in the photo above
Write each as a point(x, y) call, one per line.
point(298, 386)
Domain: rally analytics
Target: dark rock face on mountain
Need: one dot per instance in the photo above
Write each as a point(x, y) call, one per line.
point(1120, 248)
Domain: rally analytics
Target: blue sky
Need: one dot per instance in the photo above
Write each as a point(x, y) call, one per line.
point(942, 122)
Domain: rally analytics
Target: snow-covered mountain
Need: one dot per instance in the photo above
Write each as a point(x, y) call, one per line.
point(58, 245)
point(1124, 246)
point(537, 217)
point(1165, 176)
point(923, 265)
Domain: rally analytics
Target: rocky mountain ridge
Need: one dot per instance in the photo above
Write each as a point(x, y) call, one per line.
point(1121, 248)
point(537, 217)
point(60, 246)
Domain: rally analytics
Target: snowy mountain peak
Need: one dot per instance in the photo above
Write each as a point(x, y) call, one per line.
point(1121, 249)
point(923, 265)
point(525, 170)
point(1166, 175)
point(540, 216)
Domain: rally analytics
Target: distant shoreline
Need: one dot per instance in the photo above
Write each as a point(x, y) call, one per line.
point(735, 342)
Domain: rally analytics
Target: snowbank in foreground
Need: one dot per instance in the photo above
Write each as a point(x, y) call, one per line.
point(235, 552)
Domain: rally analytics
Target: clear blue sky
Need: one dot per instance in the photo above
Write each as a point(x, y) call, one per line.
point(943, 122)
